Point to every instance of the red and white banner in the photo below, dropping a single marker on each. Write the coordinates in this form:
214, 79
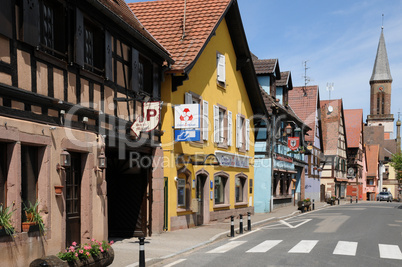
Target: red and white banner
293, 142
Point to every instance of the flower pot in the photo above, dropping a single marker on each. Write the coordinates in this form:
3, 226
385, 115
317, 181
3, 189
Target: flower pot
27, 225
58, 189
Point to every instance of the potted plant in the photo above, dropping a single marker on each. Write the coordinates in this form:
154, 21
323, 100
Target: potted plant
5, 220
33, 217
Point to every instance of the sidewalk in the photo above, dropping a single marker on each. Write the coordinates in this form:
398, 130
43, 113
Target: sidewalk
169, 244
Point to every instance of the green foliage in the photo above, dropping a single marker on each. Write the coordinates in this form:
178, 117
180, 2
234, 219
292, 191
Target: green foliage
396, 163
83, 252
33, 215
5, 219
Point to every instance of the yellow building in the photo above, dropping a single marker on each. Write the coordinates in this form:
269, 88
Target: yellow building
209, 179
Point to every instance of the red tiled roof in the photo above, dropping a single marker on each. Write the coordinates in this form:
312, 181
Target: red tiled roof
303, 101
372, 153
354, 126
121, 9
330, 124
164, 19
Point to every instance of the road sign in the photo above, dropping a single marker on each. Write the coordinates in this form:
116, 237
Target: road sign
187, 135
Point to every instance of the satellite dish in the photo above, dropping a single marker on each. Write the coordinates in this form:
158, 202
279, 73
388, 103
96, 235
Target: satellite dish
330, 109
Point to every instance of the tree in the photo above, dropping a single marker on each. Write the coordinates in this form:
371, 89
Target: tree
396, 163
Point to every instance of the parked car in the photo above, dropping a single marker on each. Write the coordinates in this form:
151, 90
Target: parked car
384, 196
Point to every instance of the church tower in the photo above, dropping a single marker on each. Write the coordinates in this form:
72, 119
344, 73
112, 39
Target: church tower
380, 94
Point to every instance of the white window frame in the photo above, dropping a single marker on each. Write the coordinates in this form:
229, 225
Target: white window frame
222, 126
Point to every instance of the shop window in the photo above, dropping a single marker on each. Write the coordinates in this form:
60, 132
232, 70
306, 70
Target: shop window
181, 192
241, 188
193, 98
221, 69
3, 173
183, 189
221, 188
222, 126
53, 28
29, 176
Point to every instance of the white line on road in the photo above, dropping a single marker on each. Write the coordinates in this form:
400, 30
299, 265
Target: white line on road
227, 247
304, 246
294, 226
174, 263
390, 252
239, 236
346, 248
264, 246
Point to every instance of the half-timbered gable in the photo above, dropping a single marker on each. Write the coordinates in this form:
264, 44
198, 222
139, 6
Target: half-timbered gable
74, 76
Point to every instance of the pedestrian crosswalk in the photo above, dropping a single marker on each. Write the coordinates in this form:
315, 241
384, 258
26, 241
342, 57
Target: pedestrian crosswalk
345, 248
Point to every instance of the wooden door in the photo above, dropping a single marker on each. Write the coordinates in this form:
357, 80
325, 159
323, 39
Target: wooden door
73, 200
322, 192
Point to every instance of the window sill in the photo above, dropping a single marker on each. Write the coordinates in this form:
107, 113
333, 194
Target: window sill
238, 204
51, 59
183, 210
88, 74
219, 206
220, 145
221, 85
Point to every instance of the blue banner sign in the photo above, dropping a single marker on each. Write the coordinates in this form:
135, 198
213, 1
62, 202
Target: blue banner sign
187, 135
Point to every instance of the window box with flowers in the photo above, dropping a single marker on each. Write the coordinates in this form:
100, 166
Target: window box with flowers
95, 253
304, 205
34, 221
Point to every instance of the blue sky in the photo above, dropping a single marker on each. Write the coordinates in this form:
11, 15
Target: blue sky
338, 39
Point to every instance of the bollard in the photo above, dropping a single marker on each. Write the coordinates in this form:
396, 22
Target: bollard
350, 199
313, 205
232, 226
302, 207
356, 199
339, 199
332, 202
241, 224
142, 252
248, 221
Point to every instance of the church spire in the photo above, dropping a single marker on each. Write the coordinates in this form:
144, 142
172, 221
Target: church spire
381, 71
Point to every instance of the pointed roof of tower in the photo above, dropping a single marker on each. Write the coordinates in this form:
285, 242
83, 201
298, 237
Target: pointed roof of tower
381, 71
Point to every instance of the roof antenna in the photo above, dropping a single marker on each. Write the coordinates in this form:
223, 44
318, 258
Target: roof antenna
306, 78
330, 88
184, 21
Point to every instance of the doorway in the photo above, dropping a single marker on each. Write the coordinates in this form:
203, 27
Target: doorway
127, 188
73, 200
202, 196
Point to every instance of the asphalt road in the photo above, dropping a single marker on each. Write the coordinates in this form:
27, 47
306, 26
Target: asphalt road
364, 234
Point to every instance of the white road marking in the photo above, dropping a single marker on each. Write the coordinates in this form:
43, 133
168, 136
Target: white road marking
227, 247
346, 248
174, 263
294, 226
239, 236
390, 252
264, 246
304, 246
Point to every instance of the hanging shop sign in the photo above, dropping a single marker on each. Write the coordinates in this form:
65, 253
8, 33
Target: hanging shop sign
187, 116
293, 142
148, 120
187, 135
232, 160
